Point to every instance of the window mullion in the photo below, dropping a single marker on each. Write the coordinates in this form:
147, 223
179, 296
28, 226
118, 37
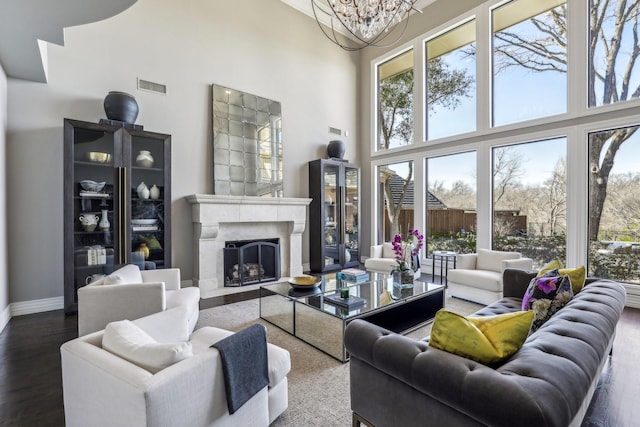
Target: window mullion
483, 70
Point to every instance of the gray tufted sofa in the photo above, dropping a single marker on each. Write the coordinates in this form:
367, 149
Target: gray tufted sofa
398, 381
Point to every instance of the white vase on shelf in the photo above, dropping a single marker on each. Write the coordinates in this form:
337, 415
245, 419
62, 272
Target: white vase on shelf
154, 192
104, 222
142, 190
144, 159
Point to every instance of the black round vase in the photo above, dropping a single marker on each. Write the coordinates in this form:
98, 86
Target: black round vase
335, 149
121, 106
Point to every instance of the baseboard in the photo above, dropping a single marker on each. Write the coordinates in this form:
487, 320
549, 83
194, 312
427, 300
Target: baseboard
5, 316
37, 306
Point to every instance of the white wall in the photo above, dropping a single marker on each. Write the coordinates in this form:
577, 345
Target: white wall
261, 47
4, 274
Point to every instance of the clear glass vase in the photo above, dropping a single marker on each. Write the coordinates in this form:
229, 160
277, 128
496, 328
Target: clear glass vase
403, 278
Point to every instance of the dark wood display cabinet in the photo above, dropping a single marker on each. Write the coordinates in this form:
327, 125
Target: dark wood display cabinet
334, 187
117, 202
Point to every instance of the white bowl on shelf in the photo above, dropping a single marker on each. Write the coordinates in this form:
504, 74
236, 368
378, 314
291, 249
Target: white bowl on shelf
89, 185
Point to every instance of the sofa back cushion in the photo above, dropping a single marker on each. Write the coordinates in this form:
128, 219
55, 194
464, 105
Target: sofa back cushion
126, 275
492, 260
387, 250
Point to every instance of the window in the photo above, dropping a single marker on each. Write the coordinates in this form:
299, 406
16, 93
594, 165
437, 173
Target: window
529, 199
613, 71
396, 198
451, 203
451, 77
529, 60
614, 204
395, 102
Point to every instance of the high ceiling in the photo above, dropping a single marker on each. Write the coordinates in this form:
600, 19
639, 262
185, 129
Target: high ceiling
24, 22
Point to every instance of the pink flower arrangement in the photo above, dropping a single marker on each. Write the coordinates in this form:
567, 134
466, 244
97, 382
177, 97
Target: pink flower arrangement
406, 249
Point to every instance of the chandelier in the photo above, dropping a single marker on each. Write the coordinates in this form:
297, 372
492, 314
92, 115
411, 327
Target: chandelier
366, 22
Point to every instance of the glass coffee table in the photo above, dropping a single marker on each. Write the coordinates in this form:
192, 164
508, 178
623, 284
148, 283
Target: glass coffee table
313, 316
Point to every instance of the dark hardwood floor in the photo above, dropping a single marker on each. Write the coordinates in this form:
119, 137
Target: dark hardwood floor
31, 381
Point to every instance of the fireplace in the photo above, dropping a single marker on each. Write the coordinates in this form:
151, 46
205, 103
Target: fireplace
218, 219
248, 262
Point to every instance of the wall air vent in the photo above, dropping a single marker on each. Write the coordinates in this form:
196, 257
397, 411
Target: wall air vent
152, 87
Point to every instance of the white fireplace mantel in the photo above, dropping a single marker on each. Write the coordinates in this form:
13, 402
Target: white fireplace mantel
218, 219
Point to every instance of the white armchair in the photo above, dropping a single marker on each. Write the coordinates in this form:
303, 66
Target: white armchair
129, 293
101, 388
478, 277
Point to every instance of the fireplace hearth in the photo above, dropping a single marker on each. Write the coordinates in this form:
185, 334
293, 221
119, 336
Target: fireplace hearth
247, 262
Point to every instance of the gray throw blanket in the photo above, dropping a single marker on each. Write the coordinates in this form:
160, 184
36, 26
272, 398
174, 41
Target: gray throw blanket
244, 364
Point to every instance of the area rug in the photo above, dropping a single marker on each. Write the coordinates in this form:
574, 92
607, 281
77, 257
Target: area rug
318, 383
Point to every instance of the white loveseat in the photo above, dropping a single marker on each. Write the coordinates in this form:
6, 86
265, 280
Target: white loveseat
382, 259
103, 389
478, 277
131, 293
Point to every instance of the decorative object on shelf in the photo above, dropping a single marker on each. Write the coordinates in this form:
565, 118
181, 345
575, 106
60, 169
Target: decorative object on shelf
144, 159
89, 185
89, 222
144, 250
104, 222
347, 255
356, 24
336, 149
154, 192
121, 106
97, 157
142, 190
405, 252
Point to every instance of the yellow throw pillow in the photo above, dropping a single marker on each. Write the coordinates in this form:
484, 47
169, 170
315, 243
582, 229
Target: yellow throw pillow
551, 265
487, 340
576, 275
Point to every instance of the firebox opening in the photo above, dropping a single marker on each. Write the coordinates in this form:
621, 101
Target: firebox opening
251, 261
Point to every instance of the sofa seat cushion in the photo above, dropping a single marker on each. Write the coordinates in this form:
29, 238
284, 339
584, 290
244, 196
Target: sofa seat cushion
279, 360
482, 279
380, 264
492, 260
502, 306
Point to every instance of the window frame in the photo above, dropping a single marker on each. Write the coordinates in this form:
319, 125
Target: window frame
575, 125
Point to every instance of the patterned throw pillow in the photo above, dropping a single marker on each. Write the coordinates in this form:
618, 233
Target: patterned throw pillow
576, 275
545, 296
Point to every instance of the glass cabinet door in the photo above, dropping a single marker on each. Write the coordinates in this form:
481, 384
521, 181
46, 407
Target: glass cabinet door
148, 192
92, 200
351, 219
331, 214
